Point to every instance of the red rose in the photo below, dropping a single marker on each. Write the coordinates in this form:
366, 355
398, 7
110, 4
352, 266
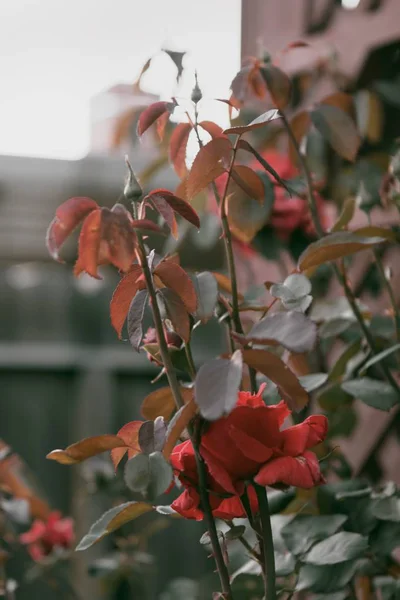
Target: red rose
249, 444
290, 213
44, 536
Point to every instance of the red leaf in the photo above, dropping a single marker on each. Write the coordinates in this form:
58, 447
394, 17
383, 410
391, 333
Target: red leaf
262, 120
123, 296
162, 206
68, 216
210, 162
177, 147
176, 312
279, 85
150, 116
129, 434
86, 448
180, 206
298, 44
118, 233
212, 128
146, 225
175, 278
89, 245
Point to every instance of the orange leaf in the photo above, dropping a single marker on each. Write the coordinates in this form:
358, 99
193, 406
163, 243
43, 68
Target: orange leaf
129, 433
161, 403
212, 128
89, 244
86, 448
275, 369
210, 163
177, 426
260, 121
374, 231
249, 181
123, 296
333, 246
68, 216
341, 100
150, 116
175, 278
177, 147
161, 124
225, 283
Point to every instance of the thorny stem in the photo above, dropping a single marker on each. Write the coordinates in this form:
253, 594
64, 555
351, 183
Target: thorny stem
268, 543
175, 388
341, 278
228, 245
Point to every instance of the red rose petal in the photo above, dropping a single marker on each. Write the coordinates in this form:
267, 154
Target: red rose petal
302, 471
305, 435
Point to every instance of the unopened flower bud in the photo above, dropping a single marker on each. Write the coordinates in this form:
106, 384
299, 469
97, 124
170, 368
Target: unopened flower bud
132, 189
196, 92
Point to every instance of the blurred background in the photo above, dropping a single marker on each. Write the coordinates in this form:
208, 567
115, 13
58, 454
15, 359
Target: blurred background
68, 106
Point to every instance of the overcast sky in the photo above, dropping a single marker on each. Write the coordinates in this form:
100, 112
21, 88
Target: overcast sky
56, 54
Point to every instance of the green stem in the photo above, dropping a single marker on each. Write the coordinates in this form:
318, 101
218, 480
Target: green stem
342, 280
189, 358
268, 543
175, 388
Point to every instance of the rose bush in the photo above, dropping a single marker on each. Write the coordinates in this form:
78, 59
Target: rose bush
248, 444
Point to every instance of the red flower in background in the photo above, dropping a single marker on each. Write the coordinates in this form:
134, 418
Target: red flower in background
45, 536
249, 444
291, 213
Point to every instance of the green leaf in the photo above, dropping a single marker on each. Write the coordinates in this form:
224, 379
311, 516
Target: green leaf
334, 246
338, 129
217, 385
334, 327
206, 288
337, 548
333, 397
346, 214
148, 475
111, 520
377, 394
340, 366
314, 381
278, 501
332, 596
292, 330
284, 564
387, 509
135, 318
385, 538
378, 357
305, 530
327, 578
235, 532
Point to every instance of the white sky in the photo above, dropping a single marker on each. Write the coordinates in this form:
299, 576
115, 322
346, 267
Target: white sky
56, 54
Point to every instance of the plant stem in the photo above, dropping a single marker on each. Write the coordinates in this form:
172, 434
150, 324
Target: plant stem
189, 358
268, 543
341, 278
230, 259
175, 388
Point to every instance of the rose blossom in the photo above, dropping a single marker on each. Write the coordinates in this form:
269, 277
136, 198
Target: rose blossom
44, 536
248, 444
